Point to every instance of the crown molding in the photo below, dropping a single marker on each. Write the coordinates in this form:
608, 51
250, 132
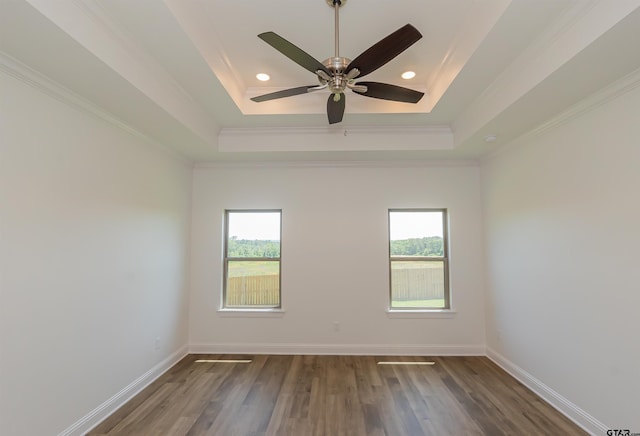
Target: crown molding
88, 23
25, 74
372, 138
192, 19
578, 28
462, 49
432, 163
600, 98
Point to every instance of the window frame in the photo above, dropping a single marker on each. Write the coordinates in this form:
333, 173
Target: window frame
444, 259
227, 259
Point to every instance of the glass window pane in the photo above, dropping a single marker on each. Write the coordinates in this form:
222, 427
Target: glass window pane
417, 284
253, 283
253, 234
416, 233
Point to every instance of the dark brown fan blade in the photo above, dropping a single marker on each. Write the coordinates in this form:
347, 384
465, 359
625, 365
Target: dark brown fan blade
383, 51
294, 53
335, 109
386, 91
284, 93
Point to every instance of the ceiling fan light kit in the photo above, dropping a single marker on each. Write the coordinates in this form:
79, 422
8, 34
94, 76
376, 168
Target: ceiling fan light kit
339, 73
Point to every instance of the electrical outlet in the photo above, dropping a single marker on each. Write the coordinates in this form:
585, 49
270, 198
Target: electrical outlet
156, 344
336, 326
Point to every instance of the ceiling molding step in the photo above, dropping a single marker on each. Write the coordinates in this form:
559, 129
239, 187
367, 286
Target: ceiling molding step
335, 139
23, 73
192, 19
462, 49
443, 163
627, 84
93, 29
578, 28
199, 23
611, 92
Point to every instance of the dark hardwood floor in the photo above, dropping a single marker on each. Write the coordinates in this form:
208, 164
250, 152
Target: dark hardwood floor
336, 395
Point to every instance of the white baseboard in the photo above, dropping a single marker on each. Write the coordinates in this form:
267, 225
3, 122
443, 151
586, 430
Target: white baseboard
340, 349
557, 401
100, 413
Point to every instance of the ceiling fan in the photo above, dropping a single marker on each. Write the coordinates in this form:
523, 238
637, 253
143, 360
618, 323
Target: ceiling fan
339, 73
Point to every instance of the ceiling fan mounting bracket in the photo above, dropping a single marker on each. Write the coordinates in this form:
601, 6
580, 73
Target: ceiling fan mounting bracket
333, 3
336, 64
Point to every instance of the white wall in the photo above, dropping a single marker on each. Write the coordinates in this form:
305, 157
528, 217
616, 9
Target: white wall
94, 249
334, 258
562, 220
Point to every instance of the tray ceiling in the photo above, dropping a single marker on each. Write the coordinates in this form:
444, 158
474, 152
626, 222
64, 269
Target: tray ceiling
181, 72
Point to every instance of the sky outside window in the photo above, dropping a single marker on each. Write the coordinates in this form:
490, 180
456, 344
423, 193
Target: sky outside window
415, 224
255, 225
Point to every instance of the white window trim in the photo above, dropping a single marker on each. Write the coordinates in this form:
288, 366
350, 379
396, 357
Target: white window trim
251, 313
421, 313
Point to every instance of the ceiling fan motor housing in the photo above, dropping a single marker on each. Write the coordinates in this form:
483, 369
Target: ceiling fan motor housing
337, 82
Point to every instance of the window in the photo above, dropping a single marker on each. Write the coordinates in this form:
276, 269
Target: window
418, 264
252, 259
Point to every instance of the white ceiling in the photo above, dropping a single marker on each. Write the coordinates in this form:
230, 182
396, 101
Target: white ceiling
181, 72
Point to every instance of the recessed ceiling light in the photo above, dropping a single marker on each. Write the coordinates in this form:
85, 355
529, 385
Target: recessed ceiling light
490, 138
262, 77
408, 75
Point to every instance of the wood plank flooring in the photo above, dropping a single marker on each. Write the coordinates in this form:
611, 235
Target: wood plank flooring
336, 395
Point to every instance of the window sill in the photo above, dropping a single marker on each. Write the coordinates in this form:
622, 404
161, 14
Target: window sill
421, 313
251, 313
